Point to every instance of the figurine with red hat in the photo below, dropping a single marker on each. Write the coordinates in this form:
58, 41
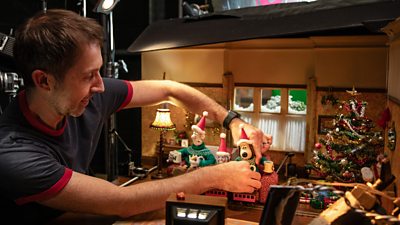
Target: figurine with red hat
246, 150
196, 155
223, 155
266, 167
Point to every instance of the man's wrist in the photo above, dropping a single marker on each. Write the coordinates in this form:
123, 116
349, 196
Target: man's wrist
228, 119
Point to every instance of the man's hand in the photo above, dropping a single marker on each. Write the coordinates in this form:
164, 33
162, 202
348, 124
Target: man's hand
235, 176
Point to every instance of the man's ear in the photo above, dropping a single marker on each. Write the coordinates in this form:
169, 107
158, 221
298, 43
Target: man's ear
41, 79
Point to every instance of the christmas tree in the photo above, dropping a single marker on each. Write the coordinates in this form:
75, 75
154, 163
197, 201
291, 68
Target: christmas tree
349, 151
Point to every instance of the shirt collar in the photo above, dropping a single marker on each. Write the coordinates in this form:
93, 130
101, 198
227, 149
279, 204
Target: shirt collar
35, 121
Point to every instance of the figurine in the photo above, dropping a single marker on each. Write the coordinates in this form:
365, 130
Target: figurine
246, 151
266, 169
223, 155
196, 155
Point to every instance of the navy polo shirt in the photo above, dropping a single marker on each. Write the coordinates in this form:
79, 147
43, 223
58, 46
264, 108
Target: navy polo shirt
36, 162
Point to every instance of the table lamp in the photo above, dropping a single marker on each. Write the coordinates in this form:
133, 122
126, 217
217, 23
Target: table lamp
163, 123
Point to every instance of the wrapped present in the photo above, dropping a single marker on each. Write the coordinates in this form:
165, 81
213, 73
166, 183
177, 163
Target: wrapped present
266, 181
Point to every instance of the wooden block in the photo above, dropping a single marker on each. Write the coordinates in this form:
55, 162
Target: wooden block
366, 199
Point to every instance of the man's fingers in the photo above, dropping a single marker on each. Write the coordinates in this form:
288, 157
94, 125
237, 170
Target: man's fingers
258, 157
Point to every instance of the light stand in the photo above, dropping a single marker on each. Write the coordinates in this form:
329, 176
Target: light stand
163, 123
44, 6
82, 4
110, 71
9, 84
128, 150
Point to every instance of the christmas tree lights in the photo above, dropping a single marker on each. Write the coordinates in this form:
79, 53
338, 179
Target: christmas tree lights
349, 151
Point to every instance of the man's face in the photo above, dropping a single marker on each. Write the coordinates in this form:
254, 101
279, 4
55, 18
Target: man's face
197, 138
83, 79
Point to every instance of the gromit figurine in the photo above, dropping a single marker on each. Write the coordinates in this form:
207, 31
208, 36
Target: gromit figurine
246, 151
196, 155
265, 167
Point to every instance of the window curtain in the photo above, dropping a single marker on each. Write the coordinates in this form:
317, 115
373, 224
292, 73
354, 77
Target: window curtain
295, 133
288, 132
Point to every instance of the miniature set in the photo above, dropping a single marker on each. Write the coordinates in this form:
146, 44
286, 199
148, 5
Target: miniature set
198, 155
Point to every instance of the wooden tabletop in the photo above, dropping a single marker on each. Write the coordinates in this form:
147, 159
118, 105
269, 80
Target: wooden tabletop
235, 214
239, 215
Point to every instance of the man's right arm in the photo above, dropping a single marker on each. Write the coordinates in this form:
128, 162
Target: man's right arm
86, 194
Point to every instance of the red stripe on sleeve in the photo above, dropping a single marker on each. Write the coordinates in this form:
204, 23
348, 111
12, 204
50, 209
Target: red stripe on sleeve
128, 96
57, 187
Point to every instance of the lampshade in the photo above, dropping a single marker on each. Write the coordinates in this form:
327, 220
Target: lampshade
163, 120
105, 6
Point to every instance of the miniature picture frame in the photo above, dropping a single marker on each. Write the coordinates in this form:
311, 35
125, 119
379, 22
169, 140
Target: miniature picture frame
171, 141
325, 123
184, 142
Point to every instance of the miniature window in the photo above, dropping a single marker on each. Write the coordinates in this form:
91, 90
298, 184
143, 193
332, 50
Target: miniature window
280, 112
244, 99
297, 100
271, 100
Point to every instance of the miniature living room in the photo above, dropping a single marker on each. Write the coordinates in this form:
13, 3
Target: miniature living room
327, 100
316, 120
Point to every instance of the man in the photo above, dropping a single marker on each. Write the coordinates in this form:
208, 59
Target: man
49, 133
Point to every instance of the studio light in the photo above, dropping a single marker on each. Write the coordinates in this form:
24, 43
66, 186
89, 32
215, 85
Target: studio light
105, 6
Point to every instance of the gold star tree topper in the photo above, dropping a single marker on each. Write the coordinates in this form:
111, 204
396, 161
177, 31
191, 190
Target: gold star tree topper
353, 92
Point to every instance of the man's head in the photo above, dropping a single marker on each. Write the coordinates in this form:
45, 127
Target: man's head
52, 42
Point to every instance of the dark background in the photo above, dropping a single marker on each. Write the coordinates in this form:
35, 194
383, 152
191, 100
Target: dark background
131, 17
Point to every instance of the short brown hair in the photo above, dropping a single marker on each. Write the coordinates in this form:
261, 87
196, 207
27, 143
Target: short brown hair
51, 41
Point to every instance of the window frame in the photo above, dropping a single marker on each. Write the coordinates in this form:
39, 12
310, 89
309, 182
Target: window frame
256, 115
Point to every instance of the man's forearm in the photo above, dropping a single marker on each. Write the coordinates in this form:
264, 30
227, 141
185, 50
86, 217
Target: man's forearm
177, 94
197, 102
154, 194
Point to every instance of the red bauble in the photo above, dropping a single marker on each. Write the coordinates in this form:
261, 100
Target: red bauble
318, 145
